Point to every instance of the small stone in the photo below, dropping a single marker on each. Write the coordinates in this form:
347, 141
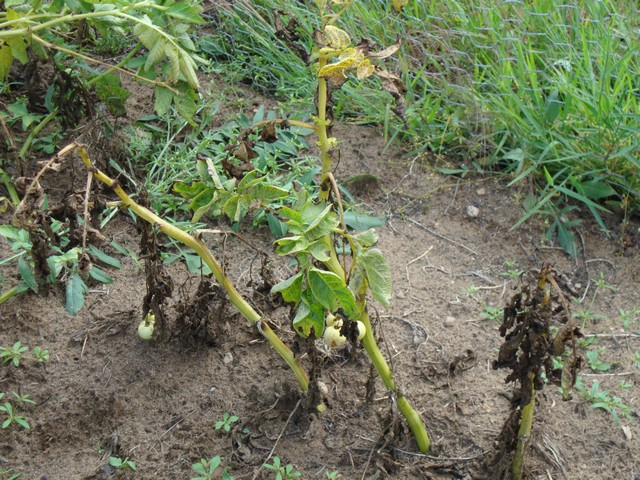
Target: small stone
227, 359
400, 294
481, 192
472, 211
449, 322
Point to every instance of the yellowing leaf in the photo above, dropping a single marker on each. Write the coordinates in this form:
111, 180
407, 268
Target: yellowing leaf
156, 54
6, 58
387, 52
335, 37
365, 69
399, 4
337, 69
18, 49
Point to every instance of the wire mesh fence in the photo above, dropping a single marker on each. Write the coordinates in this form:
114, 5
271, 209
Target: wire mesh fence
536, 87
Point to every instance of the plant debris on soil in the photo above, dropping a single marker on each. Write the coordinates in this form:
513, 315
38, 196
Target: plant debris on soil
104, 392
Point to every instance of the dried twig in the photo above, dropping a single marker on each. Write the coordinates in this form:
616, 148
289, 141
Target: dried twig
439, 235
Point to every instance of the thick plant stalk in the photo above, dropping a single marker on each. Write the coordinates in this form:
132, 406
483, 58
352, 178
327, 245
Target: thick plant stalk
524, 433
414, 420
201, 249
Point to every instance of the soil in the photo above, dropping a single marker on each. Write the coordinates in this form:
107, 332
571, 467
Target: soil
105, 392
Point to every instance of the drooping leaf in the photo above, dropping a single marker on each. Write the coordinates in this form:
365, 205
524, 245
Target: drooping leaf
323, 222
367, 238
103, 257
330, 291
278, 228
360, 221
290, 289
74, 293
309, 315
27, 274
164, 98
320, 250
100, 275
6, 59
378, 274
185, 12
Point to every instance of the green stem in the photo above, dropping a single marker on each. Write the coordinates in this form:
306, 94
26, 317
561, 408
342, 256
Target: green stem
117, 66
26, 31
6, 180
203, 252
321, 129
36, 131
524, 433
9, 294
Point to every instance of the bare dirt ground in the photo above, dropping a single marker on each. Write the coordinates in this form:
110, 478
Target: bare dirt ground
105, 392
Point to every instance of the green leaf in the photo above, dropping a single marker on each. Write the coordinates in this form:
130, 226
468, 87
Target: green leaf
566, 239
320, 250
268, 193
278, 228
100, 275
290, 289
186, 105
552, 106
74, 292
164, 98
103, 257
366, 239
27, 275
195, 264
378, 275
331, 291
309, 315
359, 221
322, 224
9, 232
18, 49
185, 12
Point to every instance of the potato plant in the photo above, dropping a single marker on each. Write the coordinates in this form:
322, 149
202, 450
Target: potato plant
337, 268
45, 28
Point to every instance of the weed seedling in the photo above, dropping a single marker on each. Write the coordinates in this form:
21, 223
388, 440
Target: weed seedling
12, 354
512, 272
492, 313
10, 411
41, 354
126, 464
283, 472
9, 475
206, 469
227, 422
603, 400
595, 363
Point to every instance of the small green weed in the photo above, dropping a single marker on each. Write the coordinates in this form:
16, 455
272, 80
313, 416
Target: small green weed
9, 474
629, 317
595, 363
604, 400
492, 313
12, 415
512, 272
283, 472
40, 354
13, 354
206, 469
126, 464
227, 422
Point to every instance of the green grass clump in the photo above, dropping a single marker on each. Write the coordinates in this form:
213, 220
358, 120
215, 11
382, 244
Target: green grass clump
548, 92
